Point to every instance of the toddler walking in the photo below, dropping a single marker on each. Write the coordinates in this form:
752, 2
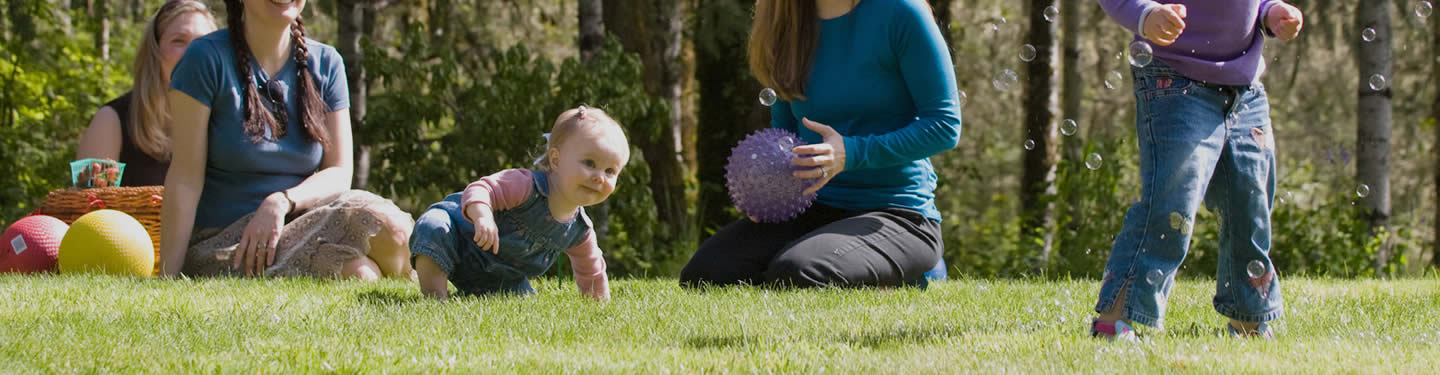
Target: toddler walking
1203, 127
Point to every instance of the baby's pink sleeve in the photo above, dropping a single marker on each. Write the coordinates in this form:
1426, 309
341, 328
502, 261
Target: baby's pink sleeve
501, 191
589, 268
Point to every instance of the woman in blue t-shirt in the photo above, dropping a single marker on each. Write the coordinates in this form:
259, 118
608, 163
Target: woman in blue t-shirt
259, 183
872, 84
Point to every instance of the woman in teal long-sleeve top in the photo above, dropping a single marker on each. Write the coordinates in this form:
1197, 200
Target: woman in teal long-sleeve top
870, 86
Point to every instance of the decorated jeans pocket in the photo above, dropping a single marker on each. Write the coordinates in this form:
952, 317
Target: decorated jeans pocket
1159, 86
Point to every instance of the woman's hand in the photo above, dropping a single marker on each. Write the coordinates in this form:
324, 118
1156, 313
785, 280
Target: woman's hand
257, 244
486, 235
828, 156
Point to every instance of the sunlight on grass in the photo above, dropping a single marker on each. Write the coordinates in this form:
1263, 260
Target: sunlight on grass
100, 324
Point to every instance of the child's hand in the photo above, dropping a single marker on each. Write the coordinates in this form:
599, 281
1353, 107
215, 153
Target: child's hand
1163, 25
486, 235
597, 288
1285, 21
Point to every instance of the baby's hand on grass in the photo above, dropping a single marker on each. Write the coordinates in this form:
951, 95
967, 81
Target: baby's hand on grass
596, 288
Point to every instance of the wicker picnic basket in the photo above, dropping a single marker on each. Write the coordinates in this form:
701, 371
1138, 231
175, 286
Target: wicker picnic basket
141, 202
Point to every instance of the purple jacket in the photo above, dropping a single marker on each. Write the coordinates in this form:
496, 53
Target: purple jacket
1222, 41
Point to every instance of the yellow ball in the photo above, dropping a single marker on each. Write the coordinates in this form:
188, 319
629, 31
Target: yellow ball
107, 241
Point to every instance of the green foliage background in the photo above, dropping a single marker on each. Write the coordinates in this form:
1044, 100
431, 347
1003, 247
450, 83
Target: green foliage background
50, 86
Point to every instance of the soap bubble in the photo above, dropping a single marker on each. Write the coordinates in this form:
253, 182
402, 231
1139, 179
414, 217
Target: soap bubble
767, 97
1141, 54
1069, 127
1005, 80
1114, 80
1255, 269
1378, 82
1155, 277
1093, 161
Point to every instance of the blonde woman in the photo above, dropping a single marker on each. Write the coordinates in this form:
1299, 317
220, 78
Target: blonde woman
132, 128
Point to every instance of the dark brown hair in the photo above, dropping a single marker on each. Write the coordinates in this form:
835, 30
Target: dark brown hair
309, 104
783, 38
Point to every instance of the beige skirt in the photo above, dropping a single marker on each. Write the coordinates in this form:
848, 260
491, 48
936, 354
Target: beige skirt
314, 244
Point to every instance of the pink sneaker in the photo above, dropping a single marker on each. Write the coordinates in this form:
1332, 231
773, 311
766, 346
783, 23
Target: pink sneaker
1118, 331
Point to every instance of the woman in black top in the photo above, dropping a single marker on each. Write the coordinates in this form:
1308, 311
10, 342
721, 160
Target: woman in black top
132, 129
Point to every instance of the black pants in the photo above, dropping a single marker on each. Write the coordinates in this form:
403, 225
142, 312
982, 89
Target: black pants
825, 246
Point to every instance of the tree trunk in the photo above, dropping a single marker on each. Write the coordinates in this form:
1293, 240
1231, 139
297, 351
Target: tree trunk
1435, 116
6, 22
654, 30
1372, 161
1038, 180
1072, 82
592, 37
51, 11
350, 15
440, 21
137, 11
102, 29
592, 27
1072, 91
21, 21
728, 106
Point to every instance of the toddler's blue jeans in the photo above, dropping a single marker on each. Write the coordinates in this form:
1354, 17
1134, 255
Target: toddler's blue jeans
1199, 143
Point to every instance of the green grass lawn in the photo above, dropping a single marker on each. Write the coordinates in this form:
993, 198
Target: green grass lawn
113, 325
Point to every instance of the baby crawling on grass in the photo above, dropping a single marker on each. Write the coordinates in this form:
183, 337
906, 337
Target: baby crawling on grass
512, 225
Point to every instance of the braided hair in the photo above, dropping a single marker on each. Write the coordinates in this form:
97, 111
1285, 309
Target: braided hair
257, 119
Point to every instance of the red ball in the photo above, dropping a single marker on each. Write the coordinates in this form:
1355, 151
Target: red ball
32, 244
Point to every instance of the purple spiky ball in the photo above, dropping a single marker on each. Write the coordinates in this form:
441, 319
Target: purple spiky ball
759, 177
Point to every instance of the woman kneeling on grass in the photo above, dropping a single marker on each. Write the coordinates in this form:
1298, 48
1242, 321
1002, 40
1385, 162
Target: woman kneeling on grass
260, 180
872, 83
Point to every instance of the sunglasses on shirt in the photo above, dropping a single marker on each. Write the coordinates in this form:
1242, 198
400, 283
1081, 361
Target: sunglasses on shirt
274, 93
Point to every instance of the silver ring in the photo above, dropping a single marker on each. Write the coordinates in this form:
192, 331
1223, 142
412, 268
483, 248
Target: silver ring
824, 173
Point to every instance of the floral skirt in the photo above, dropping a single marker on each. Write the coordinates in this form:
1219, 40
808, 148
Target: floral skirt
316, 243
